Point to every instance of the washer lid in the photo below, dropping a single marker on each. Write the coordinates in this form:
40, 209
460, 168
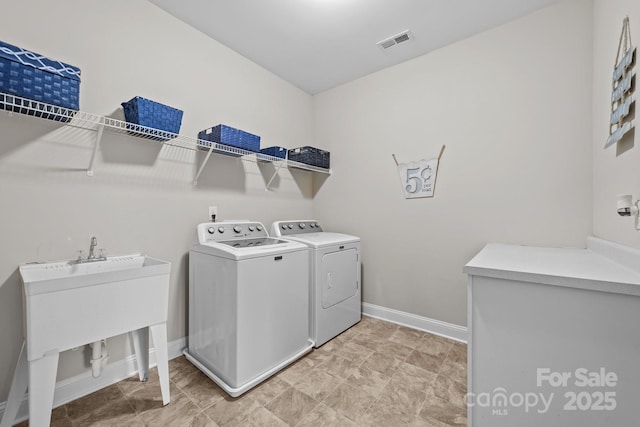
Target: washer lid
251, 243
245, 249
323, 239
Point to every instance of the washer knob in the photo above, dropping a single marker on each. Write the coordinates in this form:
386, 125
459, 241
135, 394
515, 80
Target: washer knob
301, 225
221, 229
211, 230
284, 226
237, 229
251, 228
259, 227
289, 226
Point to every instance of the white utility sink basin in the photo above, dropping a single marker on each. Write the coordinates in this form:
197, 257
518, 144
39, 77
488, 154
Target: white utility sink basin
56, 276
69, 304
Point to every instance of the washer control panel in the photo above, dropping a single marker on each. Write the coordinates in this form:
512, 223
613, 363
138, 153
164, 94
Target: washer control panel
230, 230
284, 228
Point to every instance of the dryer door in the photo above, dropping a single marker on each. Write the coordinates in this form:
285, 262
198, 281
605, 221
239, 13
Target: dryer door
339, 276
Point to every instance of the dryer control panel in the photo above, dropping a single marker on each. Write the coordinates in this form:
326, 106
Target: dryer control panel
284, 228
230, 230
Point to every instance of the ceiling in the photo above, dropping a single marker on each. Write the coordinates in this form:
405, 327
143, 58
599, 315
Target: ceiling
319, 44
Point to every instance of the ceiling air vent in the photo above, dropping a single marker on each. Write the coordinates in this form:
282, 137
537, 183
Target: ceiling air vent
394, 40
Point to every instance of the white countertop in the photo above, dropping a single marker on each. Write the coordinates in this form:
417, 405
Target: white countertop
603, 266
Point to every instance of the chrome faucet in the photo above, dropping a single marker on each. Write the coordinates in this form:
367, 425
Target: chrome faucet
92, 256
92, 246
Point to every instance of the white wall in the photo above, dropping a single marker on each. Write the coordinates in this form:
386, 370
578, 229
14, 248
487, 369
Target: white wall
141, 198
615, 170
513, 106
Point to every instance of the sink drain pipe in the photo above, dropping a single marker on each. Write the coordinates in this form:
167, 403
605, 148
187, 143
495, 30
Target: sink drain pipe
99, 357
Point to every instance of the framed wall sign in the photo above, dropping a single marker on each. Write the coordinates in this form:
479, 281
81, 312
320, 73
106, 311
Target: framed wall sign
418, 178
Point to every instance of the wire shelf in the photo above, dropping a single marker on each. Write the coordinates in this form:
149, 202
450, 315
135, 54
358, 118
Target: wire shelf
100, 124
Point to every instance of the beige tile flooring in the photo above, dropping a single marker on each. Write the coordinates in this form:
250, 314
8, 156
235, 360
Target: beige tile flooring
374, 374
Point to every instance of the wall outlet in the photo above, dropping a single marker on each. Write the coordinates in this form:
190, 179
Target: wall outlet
213, 213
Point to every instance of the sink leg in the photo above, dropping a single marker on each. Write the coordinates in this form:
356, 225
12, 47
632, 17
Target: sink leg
42, 384
18, 389
159, 335
140, 338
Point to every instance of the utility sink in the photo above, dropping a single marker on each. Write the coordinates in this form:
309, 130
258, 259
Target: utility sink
57, 276
69, 304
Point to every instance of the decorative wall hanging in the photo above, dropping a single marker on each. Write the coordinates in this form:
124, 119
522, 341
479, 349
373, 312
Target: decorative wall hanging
419, 178
622, 87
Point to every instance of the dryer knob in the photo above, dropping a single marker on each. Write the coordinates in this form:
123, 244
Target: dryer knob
251, 228
259, 227
221, 229
237, 229
289, 226
301, 225
211, 230
284, 226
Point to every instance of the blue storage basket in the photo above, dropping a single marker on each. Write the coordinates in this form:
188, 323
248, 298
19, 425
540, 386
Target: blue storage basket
223, 134
30, 75
145, 112
310, 156
276, 151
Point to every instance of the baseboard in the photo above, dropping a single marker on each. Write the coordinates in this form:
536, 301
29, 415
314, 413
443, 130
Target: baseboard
437, 327
84, 384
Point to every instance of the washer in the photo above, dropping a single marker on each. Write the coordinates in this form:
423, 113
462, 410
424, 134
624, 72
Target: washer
248, 304
334, 277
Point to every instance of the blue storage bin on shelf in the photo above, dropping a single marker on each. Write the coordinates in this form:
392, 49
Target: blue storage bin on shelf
310, 156
159, 117
33, 76
275, 151
226, 135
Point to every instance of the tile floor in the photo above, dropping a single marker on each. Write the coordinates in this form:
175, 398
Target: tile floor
374, 374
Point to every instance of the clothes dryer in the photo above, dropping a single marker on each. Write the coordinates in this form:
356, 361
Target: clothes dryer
248, 304
334, 277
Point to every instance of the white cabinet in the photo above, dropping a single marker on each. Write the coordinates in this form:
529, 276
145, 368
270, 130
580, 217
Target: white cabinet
554, 336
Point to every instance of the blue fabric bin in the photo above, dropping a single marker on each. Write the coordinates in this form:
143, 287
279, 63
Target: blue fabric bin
223, 134
310, 156
145, 112
275, 151
30, 75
